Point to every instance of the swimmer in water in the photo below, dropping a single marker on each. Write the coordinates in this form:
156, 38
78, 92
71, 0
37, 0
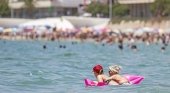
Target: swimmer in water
134, 47
44, 46
163, 49
115, 76
101, 78
121, 46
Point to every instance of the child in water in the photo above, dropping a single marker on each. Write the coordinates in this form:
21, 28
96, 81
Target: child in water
101, 78
115, 76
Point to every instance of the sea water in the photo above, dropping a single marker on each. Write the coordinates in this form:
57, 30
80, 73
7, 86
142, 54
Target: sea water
27, 67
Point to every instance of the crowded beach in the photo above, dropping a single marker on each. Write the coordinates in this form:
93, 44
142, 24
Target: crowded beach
61, 29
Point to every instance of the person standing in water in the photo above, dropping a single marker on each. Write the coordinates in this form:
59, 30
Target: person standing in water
101, 78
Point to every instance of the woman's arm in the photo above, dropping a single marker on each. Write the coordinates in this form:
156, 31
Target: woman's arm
109, 78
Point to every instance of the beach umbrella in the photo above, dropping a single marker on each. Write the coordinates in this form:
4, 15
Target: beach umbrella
143, 30
28, 29
14, 30
101, 28
167, 30
64, 25
148, 29
38, 22
161, 31
138, 32
115, 31
8, 30
128, 30
42, 29
48, 27
1, 29
59, 23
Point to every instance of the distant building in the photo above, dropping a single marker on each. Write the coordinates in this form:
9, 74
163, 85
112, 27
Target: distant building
138, 8
48, 8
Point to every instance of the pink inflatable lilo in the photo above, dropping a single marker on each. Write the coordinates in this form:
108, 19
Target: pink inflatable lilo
133, 79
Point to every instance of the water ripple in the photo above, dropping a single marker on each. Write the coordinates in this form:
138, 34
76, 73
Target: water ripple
25, 67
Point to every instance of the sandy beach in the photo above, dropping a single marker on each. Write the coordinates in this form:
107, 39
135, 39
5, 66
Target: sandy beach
98, 30
76, 21
90, 21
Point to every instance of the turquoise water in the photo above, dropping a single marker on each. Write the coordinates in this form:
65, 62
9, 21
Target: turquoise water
25, 67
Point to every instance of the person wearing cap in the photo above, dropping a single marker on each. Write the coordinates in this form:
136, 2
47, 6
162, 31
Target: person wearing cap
99, 74
114, 75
